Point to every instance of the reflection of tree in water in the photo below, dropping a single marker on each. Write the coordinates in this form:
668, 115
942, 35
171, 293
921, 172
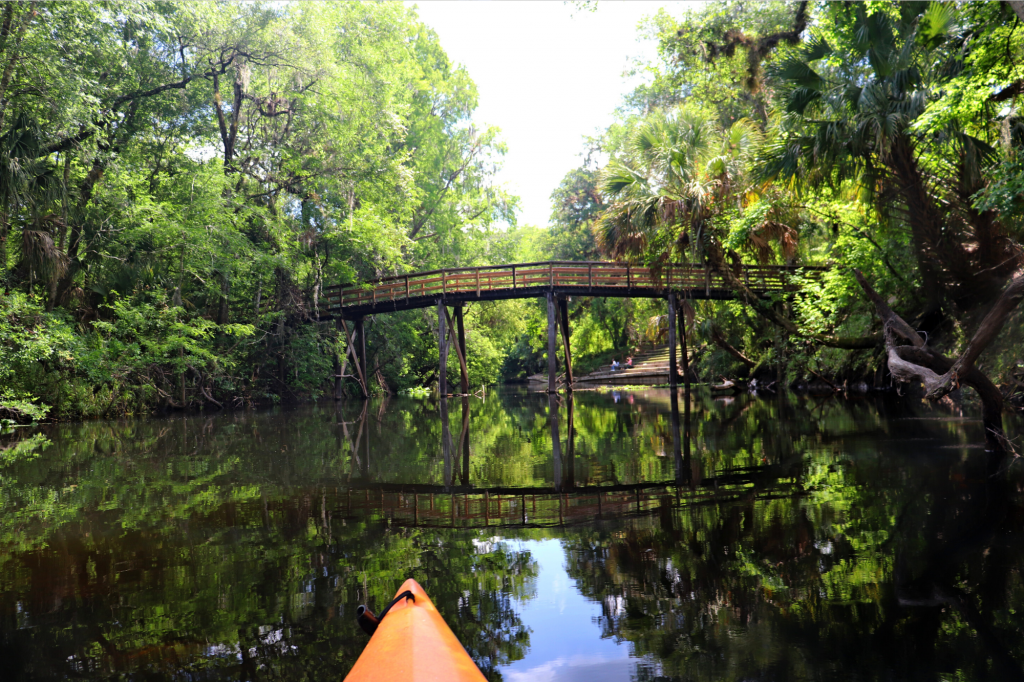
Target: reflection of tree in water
258, 600
218, 549
480, 590
222, 549
885, 565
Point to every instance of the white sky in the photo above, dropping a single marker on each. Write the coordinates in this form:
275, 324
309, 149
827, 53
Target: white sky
548, 73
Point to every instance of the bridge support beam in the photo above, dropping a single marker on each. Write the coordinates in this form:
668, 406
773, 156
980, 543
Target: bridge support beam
461, 340
552, 362
442, 347
673, 374
563, 318
685, 353
339, 366
360, 349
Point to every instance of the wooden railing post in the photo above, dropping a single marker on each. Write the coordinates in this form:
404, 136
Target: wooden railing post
629, 282
551, 274
513, 277
407, 286
478, 282
590, 276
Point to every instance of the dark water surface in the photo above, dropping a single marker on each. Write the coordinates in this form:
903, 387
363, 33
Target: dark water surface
758, 539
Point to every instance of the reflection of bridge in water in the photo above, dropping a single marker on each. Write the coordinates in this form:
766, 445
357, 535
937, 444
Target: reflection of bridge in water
459, 504
467, 507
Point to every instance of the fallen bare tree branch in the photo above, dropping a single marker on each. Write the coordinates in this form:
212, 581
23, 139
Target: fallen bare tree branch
986, 333
938, 373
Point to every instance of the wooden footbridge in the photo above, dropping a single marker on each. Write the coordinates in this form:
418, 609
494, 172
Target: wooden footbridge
555, 280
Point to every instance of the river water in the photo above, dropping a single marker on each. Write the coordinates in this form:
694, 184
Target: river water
598, 538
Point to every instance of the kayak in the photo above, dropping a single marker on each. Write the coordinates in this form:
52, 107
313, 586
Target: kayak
411, 641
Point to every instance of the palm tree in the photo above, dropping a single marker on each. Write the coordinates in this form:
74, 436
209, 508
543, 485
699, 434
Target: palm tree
677, 172
29, 188
850, 112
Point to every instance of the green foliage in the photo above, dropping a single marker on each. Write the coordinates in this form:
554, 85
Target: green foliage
121, 365
1005, 195
181, 211
23, 450
171, 219
879, 136
576, 205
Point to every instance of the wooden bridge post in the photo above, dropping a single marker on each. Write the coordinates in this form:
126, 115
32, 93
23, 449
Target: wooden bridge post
460, 327
552, 365
442, 347
339, 366
685, 352
672, 373
563, 315
360, 342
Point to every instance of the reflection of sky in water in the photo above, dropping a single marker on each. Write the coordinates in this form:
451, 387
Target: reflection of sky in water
565, 639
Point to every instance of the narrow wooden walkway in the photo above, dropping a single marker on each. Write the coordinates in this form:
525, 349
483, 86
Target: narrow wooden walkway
563, 278
554, 280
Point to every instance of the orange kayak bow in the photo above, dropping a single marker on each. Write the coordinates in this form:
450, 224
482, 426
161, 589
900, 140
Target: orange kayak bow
413, 643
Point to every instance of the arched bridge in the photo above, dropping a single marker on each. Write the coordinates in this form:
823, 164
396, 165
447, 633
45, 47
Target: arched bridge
554, 280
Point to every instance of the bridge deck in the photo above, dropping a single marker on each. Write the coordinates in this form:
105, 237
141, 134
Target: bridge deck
573, 278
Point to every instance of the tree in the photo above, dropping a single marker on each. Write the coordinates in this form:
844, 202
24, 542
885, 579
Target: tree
576, 205
676, 174
857, 97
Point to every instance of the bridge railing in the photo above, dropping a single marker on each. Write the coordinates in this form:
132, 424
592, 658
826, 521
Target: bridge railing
594, 275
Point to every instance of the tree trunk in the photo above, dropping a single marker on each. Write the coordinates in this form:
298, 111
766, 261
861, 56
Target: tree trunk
12, 56
3, 250
225, 290
719, 339
923, 216
938, 373
74, 243
228, 126
1018, 8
